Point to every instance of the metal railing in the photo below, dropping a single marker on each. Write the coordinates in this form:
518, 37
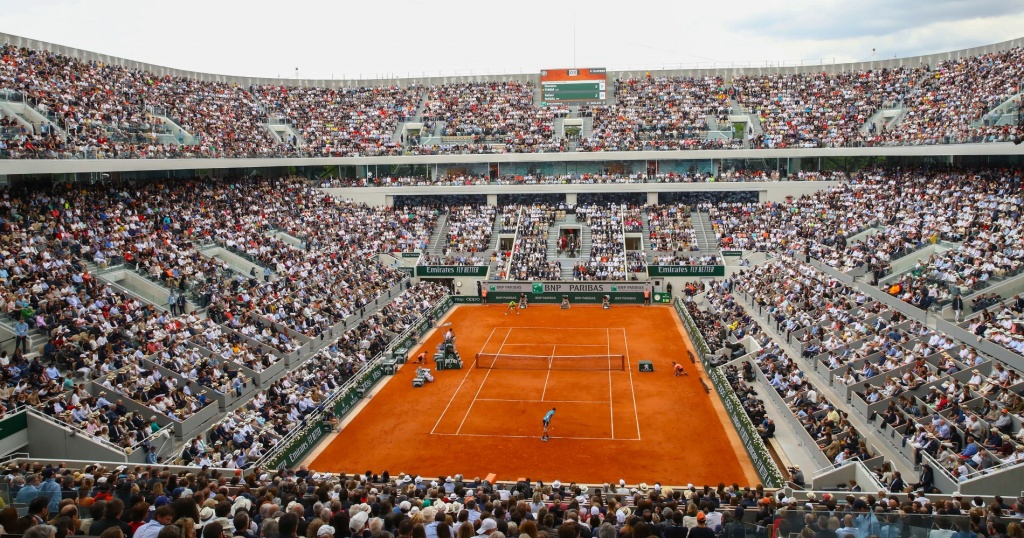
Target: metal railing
350, 384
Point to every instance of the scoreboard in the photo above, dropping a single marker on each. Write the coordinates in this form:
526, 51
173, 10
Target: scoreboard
578, 85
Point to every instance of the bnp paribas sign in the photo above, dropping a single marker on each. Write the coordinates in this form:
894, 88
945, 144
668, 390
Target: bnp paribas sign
589, 287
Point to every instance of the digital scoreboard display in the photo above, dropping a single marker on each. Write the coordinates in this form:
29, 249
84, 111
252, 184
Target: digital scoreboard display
580, 85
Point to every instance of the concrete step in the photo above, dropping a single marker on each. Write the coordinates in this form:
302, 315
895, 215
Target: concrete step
438, 237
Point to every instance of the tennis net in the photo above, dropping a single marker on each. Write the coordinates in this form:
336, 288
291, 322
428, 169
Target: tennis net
591, 363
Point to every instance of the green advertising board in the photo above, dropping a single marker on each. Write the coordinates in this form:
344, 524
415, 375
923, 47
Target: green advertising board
301, 445
686, 270
410, 254
763, 463
567, 287
574, 297
448, 271
694, 333
13, 424
732, 252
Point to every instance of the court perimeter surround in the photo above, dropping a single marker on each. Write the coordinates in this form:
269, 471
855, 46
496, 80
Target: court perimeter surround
610, 423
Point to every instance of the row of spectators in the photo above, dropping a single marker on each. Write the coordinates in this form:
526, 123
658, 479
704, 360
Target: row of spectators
528, 259
249, 431
469, 228
92, 331
342, 122
607, 260
661, 113
726, 323
939, 396
103, 110
149, 501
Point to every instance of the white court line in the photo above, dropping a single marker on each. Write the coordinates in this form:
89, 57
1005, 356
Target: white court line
464, 378
531, 437
629, 368
482, 382
563, 345
547, 377
611, 406
539, 401
549, 328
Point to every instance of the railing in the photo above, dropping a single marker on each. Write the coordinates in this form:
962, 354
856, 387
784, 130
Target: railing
695, 335
515, 240
367, 376
76, 431
622, 237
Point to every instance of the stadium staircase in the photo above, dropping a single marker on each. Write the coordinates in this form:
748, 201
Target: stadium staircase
6, 112
1003, 114
742, 114
290, 239
281, 130
135, 283
437, 241
705, 232
557, 127
712, 122
881, 119
563, 258
645, 241
178, 135
495, 232
36, 338
588, 127
29, 116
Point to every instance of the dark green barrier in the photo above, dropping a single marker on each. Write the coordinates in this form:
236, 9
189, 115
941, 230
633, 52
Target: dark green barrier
686, 270
574, 297
695, 336
13, 424
466, 299
410, 254
301, 446
451, 270
732, 253
752, 442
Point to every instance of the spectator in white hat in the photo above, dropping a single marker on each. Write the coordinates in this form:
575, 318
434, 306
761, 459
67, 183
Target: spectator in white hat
487, 527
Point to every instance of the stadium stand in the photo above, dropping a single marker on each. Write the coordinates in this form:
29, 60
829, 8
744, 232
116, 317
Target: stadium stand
271, 299
86, 109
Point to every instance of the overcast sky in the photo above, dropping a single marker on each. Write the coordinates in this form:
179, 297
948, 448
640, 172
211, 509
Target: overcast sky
349, 39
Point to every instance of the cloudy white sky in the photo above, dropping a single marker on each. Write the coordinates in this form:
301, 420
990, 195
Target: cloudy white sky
347, 39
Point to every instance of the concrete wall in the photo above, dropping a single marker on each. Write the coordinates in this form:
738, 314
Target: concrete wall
48, 439
829, 479
142, 288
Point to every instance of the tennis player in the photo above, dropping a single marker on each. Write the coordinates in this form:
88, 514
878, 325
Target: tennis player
512, 307
547, 423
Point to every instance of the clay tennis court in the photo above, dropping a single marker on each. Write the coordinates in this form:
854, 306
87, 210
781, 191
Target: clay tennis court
611, 421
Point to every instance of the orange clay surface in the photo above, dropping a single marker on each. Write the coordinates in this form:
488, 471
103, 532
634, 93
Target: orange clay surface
609, 424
